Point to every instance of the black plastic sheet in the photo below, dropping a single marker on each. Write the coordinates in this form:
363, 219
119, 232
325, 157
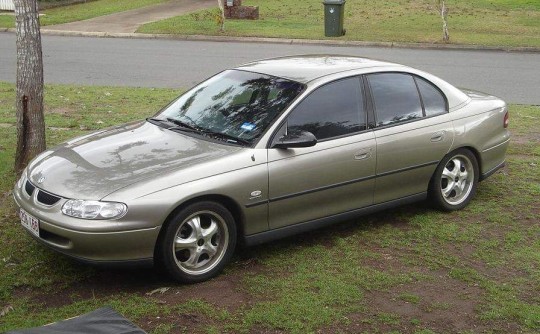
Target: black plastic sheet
101, 321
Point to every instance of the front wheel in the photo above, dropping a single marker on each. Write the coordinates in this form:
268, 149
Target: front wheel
454, 183
197, 242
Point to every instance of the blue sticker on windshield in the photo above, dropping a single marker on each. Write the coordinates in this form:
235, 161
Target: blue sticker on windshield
248, 126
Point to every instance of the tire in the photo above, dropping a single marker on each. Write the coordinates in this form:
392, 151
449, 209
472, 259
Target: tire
197, 243
454, 182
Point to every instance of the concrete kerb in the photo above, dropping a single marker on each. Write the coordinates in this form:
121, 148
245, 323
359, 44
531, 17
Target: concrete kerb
285, 41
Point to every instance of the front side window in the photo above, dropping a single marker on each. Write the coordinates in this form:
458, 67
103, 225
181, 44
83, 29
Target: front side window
395, 97
233, 104
333, 110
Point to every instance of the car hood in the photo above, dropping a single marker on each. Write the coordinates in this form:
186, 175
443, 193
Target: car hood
93, 166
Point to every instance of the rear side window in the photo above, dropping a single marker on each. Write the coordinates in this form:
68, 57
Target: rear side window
333, 110
433, 99
396, 98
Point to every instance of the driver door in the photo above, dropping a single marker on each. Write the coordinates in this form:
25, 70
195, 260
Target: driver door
335, 175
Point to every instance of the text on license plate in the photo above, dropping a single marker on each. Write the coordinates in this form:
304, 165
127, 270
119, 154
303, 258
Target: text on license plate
30, 222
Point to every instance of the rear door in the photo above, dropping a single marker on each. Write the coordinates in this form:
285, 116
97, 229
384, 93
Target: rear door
413, 131
336, 174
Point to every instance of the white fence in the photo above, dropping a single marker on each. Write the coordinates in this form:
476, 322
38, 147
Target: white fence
7, 5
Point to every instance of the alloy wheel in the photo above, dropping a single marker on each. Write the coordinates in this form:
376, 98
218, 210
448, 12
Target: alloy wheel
200, 242
457, 180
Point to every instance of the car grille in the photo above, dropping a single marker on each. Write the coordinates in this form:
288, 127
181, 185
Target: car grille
43, 197
46, 198
29, 187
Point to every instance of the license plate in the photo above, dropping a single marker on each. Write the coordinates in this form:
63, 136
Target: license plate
30, 222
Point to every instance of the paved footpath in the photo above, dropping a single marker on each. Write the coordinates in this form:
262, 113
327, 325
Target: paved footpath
129, 21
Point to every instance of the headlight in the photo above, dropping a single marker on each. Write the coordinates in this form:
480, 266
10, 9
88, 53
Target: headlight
93, 209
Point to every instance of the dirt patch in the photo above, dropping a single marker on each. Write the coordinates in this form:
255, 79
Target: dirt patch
389, 259
224, 292
525, 139
104, 283
520, 137
443, 305
517, 157
178, 323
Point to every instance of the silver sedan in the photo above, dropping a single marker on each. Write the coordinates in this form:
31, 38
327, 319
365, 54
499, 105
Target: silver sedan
259, 152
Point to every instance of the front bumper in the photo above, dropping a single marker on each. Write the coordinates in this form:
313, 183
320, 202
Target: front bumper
94, 241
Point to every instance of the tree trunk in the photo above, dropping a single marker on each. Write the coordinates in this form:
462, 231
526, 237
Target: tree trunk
444, 16
221, 20
29, 102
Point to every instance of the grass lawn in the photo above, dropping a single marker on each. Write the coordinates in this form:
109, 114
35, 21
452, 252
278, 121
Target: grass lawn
486, 22
81, 11
410, 270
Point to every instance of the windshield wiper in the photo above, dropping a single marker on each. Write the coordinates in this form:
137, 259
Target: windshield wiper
155, 120
225, 136
181, 124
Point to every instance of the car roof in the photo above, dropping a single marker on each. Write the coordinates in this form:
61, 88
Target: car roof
305, 68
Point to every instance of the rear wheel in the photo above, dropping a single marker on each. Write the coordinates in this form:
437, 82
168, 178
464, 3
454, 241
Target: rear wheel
198, 242
455, 180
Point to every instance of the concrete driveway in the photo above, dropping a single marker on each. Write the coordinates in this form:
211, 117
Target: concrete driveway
129, 21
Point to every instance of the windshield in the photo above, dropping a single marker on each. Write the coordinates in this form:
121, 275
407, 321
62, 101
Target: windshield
232, 104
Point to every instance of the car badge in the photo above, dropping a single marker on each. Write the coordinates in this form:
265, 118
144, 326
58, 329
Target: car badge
256, 193
41, 179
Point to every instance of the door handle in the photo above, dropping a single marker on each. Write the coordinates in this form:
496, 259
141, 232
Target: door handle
437, 136
362, 155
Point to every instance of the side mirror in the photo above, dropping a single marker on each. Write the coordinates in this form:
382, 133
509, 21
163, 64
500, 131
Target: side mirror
296, 139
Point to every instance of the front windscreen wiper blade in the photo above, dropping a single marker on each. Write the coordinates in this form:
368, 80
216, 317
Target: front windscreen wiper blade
228, 138
185, 127
181, 124
178, 125
171, 120
154, 120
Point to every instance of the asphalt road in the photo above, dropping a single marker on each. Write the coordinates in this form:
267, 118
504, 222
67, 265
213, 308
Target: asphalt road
168, 63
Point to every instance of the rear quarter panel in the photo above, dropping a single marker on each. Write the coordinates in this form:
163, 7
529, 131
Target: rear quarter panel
479, 125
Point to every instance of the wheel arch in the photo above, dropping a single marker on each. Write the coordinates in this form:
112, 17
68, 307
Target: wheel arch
230, 204
476, 154
473, 150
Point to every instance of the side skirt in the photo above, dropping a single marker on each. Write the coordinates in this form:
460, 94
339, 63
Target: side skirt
283, 232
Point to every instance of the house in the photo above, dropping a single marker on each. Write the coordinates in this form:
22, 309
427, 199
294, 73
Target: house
7, 5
